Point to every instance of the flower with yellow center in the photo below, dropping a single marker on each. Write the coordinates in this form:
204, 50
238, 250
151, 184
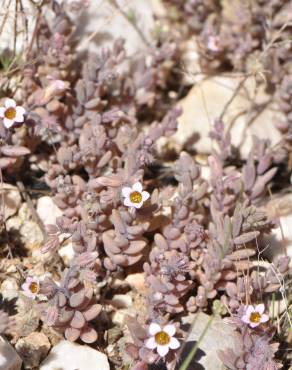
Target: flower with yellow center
31, 287
254, 316
162, 339
135, 196
11, 113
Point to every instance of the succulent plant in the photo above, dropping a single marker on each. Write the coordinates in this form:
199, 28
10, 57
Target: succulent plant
72, 308
253, 348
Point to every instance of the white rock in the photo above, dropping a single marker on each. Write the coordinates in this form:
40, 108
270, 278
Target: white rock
29, 230
206, 101
191, 68
136, 281
8, 32
67, 253
9, 289
9, 359
33, 349
219, 336
12, 199
101, 23
70, 356
97, 26
280, 241
47, 210
122, 300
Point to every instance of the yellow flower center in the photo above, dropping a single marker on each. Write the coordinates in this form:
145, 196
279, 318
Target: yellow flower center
255, 317
34, 287
136, 197
162, 338
10, 113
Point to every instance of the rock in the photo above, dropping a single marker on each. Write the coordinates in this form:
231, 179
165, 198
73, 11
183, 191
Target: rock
33, 349
219, 336
9, 289
47, 210
102, 23
9, 359
27, 317
23, 224
205, 102
159, 9
192, 72
8, 31
122, 300
118, 317
67, 253
136, 281
70, 356
280, 241
12, 199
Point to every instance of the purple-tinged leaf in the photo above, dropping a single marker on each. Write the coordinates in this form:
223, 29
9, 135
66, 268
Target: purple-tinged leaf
247, 237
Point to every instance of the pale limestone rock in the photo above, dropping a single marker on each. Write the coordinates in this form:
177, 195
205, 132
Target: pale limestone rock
70, 356
33, 349
101, 23
47, 210
280, 241
67, 253
122, 300
136, 281
191, 68
219, 336
206, 101
97, 26
28, 229
9, 359
9, 289
12, 199
7, 19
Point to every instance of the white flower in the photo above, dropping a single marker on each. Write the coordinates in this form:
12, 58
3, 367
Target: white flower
31, 287
11, 113
254, 316
162, 339
135, 196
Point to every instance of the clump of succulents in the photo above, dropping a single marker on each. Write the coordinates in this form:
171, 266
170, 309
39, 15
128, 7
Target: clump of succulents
254, 348
99, 122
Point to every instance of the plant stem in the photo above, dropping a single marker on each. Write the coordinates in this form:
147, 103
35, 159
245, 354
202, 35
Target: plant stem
192, 353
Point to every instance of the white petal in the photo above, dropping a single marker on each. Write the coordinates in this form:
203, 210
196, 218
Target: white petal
154, 328
145, 195
260, 308
20, 110
28, 293
35, 279
8, 122
128, 203
174, 343
126, 191
245, 319
138, 187
162, 350
10, 103
169, 329
138, 205
25, 286
29, 279
254, 324
265, 318
250, 309
150, 343
19, 118
2, 111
